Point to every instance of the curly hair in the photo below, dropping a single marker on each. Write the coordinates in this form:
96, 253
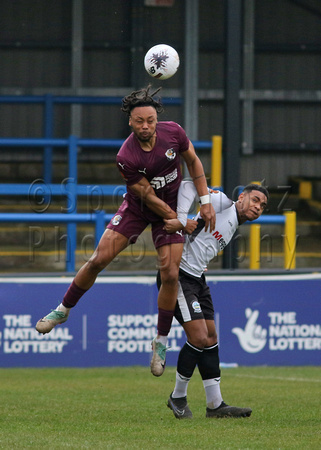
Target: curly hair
257, 187
143, 97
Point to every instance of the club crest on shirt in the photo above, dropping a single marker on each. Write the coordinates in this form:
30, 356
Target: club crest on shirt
170, 154
116, 219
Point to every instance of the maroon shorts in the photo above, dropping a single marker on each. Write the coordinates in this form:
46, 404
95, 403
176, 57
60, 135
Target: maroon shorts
130, 221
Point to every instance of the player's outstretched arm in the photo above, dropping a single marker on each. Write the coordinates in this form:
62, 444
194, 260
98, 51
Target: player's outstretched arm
196, 171
187, 194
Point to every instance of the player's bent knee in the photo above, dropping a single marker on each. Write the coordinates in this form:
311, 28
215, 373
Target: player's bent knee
97, 264
169, 276
212, 339
199, 341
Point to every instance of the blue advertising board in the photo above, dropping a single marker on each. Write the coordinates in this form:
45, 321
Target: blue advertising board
269, 320
261, 320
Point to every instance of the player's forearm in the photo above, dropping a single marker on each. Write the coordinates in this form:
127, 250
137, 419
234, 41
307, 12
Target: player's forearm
186, 196
159, 207
146, 193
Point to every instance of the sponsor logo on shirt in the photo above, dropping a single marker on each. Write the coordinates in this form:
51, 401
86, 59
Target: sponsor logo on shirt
170, 154
221, 241
160, 182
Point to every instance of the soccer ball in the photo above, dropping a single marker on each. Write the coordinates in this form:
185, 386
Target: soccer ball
161, 61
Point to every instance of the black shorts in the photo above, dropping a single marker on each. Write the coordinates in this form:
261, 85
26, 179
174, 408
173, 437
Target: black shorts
194, 299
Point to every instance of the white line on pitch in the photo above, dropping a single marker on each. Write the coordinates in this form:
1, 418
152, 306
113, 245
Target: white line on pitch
262, 377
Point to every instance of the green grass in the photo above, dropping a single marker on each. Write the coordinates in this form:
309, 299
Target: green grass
125, 408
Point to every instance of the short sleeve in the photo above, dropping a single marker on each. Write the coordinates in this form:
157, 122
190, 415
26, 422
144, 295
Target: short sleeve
128, 171
183, 139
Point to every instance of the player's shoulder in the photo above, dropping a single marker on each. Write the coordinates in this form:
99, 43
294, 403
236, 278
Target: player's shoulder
169, 126
218, 195
217, 192
220, 200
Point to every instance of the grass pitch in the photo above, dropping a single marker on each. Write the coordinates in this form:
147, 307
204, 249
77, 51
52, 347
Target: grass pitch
125, 408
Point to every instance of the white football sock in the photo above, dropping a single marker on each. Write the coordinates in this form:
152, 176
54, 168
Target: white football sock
162, 339
213, 392
181, 386
63, 309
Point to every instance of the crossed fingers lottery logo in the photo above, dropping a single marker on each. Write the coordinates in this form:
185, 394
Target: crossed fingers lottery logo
283, 333
253, 338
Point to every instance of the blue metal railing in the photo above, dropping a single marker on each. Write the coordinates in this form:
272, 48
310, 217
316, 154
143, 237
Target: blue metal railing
68, 188
71, 190
49, 101
268, 220
72, 143
98, 218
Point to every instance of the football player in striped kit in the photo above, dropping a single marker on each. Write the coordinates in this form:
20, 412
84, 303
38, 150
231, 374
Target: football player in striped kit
194, 308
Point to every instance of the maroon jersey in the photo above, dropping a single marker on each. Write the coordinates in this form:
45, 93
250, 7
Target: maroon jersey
160, 166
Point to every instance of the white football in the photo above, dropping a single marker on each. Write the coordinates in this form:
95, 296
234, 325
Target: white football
161, 61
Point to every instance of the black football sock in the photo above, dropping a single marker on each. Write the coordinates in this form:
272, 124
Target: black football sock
187, 361
209, 363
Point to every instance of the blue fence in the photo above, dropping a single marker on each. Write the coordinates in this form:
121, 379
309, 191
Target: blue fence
72, 144
70, 188
49, 101
98, 218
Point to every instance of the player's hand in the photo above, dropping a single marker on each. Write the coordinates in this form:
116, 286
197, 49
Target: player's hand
208, 215
190, 226
172, 225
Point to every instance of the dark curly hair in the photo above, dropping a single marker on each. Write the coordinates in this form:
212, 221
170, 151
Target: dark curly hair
143, 97
257, 187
